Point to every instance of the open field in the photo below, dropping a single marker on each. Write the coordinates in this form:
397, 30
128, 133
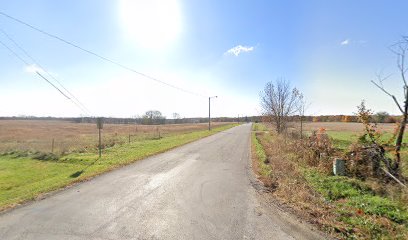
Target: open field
25, 175
346, 207
34, 135
344, 133
345, 126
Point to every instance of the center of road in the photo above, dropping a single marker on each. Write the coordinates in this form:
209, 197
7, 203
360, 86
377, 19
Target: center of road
202, 190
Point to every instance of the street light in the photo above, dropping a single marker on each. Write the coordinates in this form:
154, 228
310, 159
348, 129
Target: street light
209, 112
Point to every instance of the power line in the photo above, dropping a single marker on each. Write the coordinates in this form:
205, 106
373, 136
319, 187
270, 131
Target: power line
98, 55
38, 73
82, 106
14, 53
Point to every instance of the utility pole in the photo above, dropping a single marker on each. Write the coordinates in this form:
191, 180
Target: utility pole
99, 124
209, 112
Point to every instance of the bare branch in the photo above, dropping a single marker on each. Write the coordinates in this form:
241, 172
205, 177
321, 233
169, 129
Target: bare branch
393, 177
389, 94
279, 101
401, 65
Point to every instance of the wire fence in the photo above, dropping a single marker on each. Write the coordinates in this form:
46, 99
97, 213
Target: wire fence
62, 137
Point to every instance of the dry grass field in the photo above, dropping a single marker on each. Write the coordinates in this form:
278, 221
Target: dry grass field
35, 135
24, 175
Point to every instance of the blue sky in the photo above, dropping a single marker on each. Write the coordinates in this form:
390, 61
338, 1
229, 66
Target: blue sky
330, 50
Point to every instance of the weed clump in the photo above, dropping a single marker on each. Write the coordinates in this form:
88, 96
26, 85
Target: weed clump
45, 156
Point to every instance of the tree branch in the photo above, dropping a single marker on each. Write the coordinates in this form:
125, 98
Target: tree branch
389, 94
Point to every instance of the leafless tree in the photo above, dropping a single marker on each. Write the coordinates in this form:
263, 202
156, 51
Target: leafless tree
278, 102
302, 106
400, 49
176, 117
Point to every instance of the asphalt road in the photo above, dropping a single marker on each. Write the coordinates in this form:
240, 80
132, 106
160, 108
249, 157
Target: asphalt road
203, 190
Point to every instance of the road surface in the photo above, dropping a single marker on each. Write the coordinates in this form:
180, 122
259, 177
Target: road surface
203, 190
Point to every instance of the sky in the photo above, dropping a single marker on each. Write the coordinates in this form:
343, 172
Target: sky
329, 50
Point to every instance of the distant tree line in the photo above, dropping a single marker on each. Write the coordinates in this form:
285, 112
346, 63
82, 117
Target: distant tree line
151, 117
380, 117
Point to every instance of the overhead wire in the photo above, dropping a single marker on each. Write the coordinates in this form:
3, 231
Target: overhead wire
82, 106
38, 73
99, 56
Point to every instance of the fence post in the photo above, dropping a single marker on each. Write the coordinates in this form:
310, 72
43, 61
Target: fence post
129, 137
52, 146
100, 144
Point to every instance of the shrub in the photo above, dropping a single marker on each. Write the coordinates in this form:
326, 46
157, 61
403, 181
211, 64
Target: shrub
390, 119
320, 144
45, 156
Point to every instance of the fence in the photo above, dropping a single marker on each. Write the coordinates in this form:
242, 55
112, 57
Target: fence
65, 137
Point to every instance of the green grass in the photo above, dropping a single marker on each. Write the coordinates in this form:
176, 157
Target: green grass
23, 178
259, 127
350, 196
335, 187
342, 140
264, 169
360, 212
347, 193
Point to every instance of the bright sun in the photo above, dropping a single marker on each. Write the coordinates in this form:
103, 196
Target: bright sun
151, 23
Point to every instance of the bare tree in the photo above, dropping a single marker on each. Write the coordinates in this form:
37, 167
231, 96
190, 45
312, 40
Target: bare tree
400, 49
176, 117
302, 109
278, 102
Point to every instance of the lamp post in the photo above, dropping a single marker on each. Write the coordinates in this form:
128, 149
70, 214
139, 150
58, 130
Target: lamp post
209, 112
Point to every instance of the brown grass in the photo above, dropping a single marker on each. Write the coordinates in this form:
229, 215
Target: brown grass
290, 188
288, 185
36, 135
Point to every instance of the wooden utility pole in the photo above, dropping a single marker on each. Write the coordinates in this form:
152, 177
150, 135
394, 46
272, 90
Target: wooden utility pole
99, 124
209, 112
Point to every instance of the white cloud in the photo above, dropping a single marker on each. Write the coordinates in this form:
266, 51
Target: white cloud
33, 69
238, 49
345, 42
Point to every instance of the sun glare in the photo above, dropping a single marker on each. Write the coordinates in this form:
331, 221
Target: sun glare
151, 23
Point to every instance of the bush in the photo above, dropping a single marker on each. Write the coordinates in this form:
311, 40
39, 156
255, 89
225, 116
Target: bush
364, 160
319, 149
390, 119
45, 156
